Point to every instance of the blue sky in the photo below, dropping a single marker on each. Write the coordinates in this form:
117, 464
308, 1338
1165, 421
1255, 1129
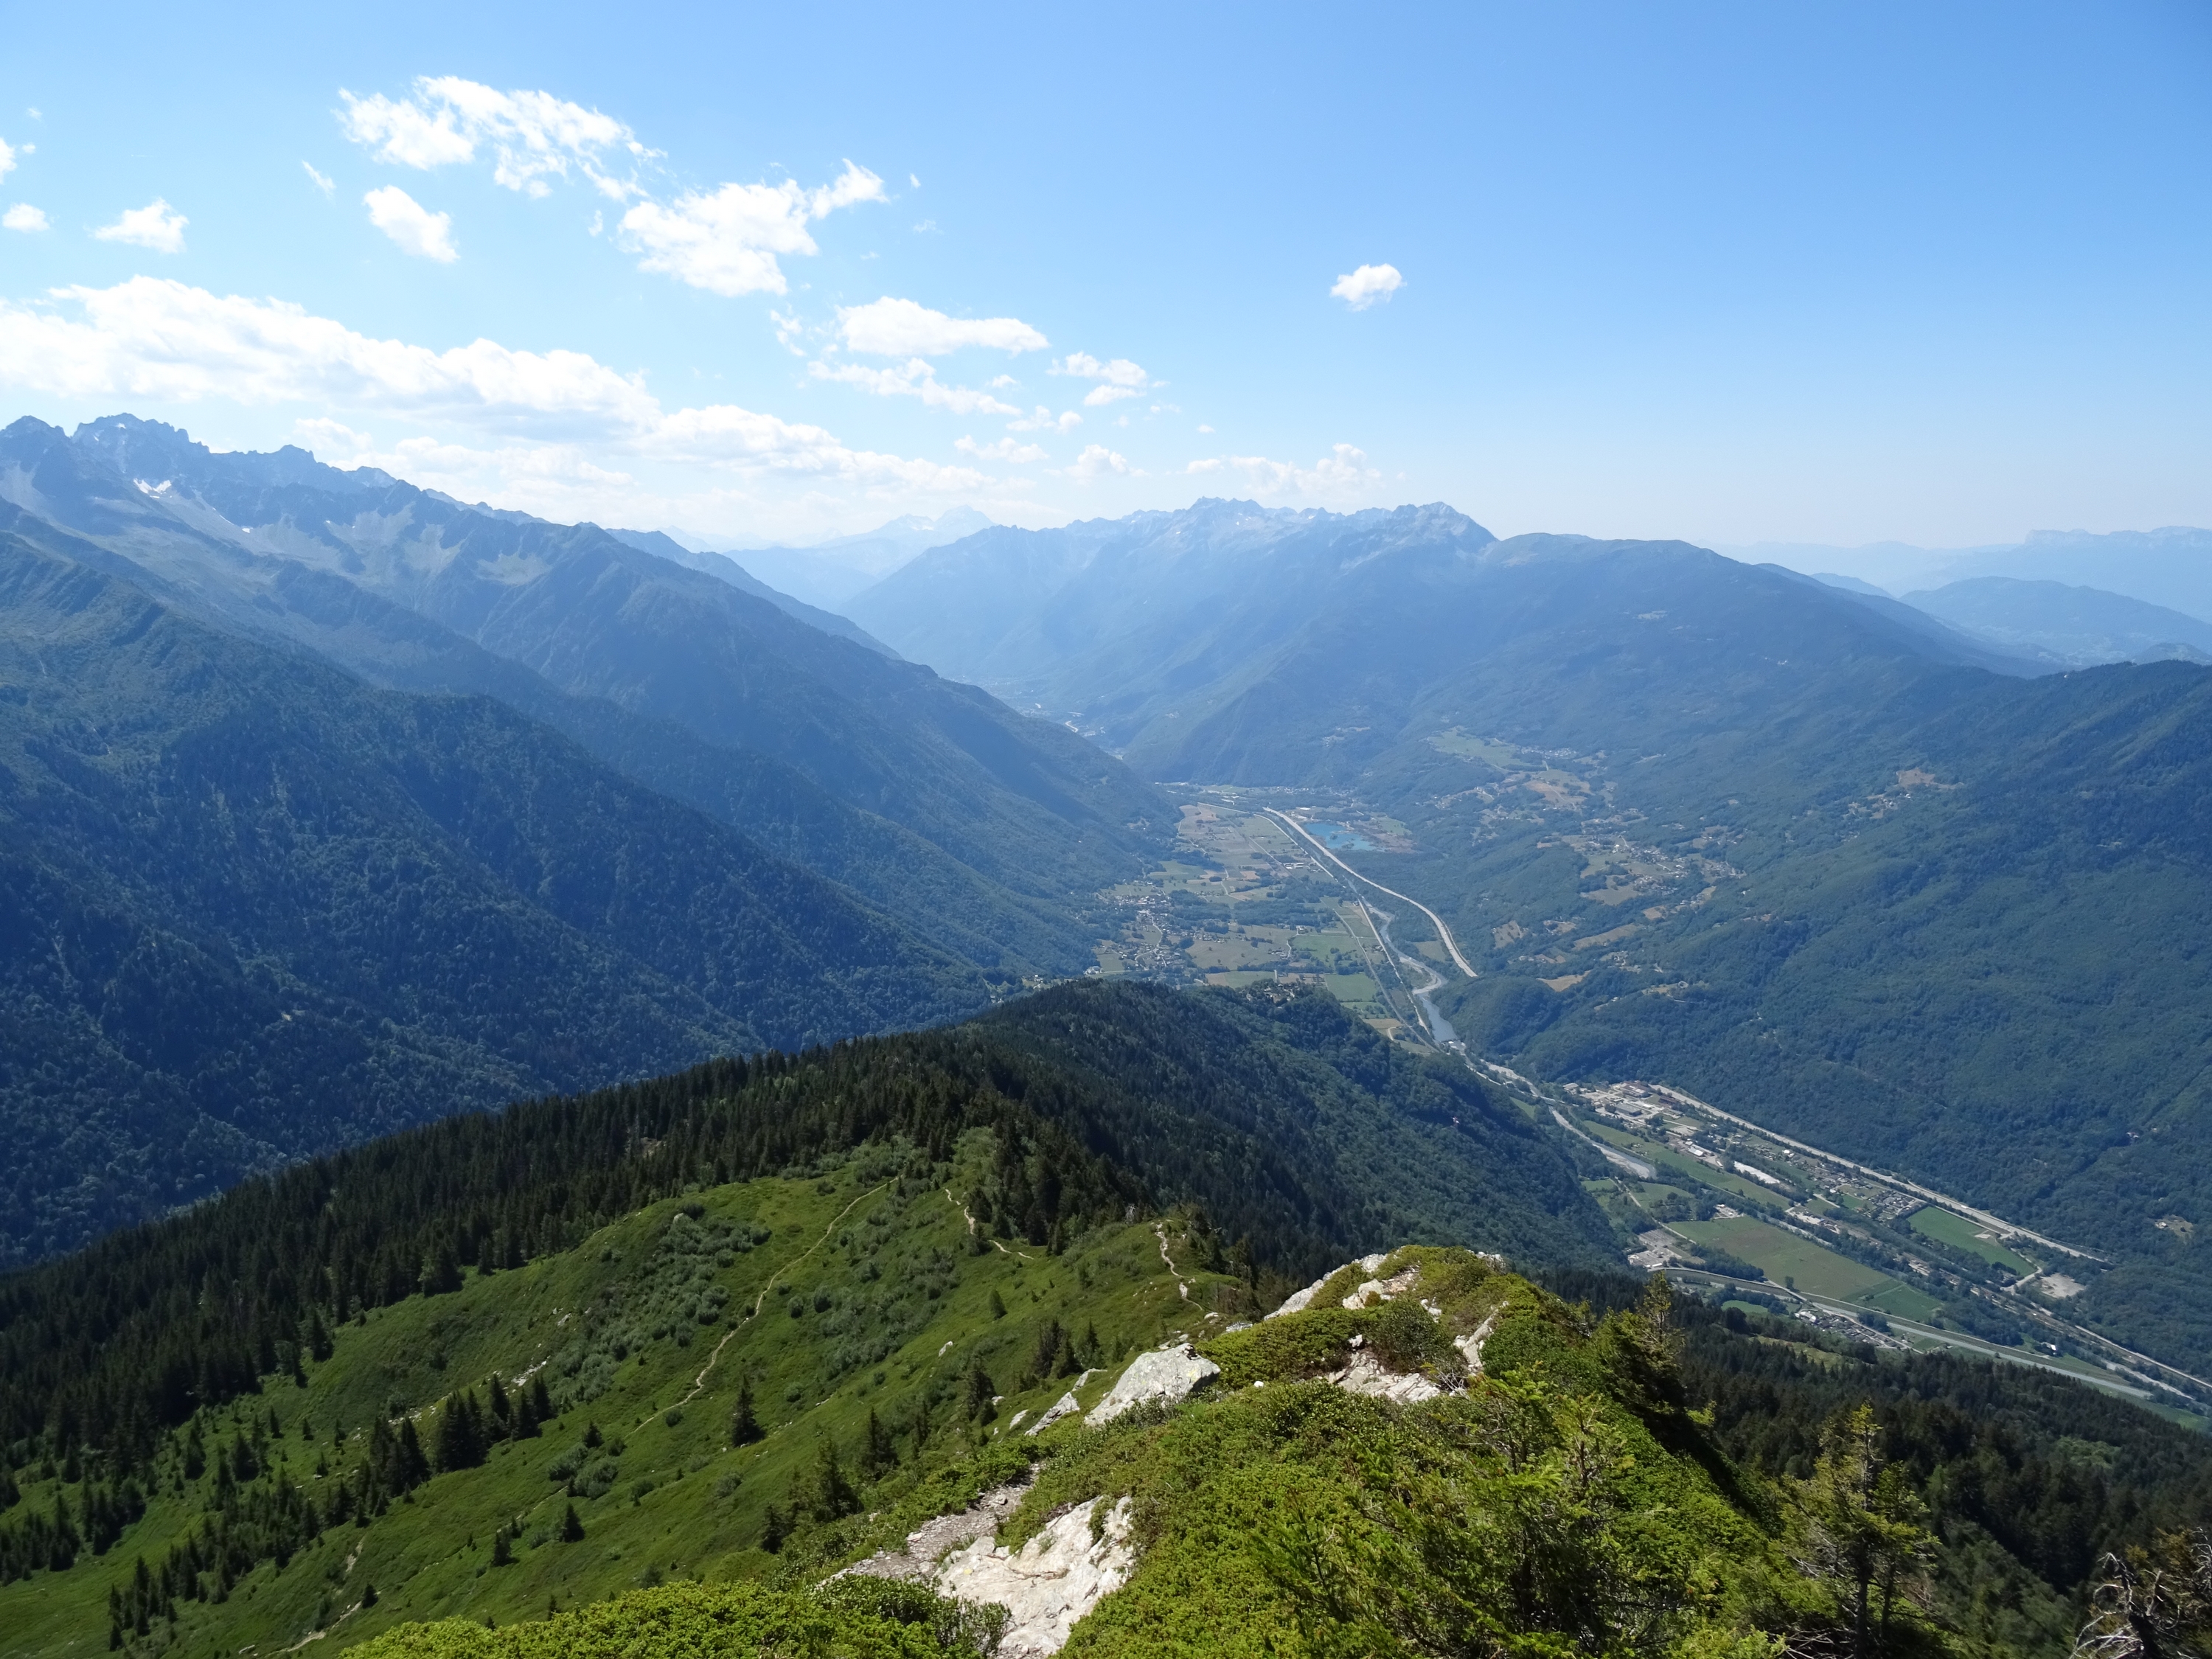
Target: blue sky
1802, 272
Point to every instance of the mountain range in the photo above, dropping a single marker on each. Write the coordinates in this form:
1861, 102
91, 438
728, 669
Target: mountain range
523, 807
2075, 627
568, 1101
2170, 567
1813, 854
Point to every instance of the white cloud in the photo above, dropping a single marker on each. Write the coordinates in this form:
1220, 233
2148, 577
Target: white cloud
152, 337
1203, 426
149, 338
533, 135
324, 182
1045, 421
1117, 379
459, 468
1341, 471
1364, 287
1096, 462
414, 227
8, 157
1005, 449
900, 328
24, 216
727, 242
331, 441
916, 378
157, 226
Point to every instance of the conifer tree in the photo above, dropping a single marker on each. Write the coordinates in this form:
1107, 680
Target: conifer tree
879, 1452
981, 1392
572, 1529
745, 1427
1860, 1528
833, 1496
463, 1441
413, 1467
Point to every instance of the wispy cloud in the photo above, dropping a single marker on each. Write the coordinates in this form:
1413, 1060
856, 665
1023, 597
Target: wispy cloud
1003, 449
1097, 461
914, 378
1364, 287
412, 227
157, 226
151, 338
533, 135
1342, 471
727, 241
1117, 379
903, 328
1043, 420
323, 181
8, 153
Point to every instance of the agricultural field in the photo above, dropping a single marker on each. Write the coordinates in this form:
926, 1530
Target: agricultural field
1245, 899
1970, 1236
1801, 1264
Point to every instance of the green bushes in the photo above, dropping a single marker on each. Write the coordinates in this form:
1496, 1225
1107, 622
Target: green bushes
854, 1619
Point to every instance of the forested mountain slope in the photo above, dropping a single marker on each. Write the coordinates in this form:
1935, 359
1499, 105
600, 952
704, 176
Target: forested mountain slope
255, 909
1297, 1126
1090, 1067
952, 804
751, 1324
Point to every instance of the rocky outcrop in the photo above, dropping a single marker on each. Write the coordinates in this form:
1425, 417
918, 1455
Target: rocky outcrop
929, 1543
1373, 1291
1364, 1372
1366, 1375
1080, 1558
1169, 1373
1299, 1301
1065, 1406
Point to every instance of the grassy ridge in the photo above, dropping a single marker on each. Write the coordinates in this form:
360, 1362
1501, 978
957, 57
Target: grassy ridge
874, 1296
1225, 1098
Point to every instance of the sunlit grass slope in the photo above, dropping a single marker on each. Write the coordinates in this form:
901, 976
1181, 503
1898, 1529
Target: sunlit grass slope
873, 1296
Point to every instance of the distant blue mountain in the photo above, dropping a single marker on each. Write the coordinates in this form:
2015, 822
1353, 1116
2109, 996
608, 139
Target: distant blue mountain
2077, 625
723, 568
